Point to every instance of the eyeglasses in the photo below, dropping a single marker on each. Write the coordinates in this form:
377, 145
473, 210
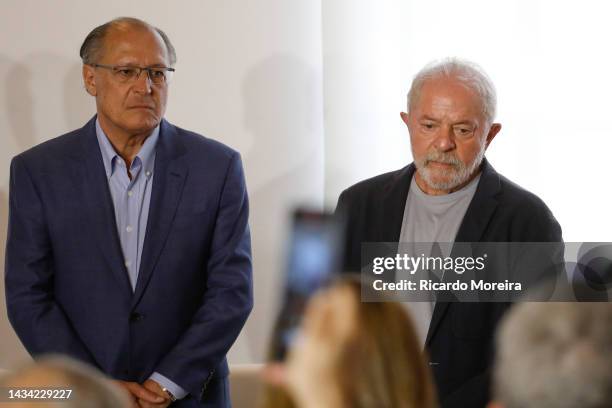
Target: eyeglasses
126, 74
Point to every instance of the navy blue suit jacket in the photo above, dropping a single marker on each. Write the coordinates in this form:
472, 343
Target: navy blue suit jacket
67, 288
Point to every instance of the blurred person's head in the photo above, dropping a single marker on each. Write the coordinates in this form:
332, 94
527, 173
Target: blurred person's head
354, 354
554, 355
451, 108
90, 389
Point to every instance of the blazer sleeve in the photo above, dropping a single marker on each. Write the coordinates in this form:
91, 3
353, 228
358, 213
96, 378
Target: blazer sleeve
40, 323
352, 213
228, 299
345, 212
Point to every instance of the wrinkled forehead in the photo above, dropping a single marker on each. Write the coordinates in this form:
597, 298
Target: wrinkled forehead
448, 95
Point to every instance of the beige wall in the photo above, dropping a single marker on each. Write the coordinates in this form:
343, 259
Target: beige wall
248, 74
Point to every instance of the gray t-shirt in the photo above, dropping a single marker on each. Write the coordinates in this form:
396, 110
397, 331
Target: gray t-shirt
429, 218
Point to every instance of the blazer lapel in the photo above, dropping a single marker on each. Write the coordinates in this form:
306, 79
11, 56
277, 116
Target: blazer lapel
100, 206
482, 207
169, 176
472, 227
393, 205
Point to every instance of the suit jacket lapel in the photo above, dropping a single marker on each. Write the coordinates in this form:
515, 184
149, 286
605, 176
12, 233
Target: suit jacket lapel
472, 227
393, 205
169, 176
482, 207
100, 206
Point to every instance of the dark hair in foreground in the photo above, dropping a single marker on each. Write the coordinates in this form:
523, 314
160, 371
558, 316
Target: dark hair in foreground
93, 46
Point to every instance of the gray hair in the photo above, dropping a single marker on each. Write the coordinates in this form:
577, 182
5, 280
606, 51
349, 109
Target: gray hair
91, 50
555, 355
467, 73
90, 389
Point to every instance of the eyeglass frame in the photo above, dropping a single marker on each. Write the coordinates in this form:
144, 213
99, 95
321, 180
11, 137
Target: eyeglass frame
115, 68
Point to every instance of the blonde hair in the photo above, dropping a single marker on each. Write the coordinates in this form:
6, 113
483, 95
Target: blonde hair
375, 360
381, 363
90, 388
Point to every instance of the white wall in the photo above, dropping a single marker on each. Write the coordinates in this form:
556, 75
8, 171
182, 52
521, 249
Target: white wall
551, 66
248, 74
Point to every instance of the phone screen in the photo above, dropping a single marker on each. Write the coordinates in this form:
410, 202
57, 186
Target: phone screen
314, 257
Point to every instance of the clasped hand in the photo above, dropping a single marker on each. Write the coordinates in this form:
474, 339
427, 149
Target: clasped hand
148, 395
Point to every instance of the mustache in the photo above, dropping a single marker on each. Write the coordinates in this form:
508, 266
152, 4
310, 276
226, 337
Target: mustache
441, 157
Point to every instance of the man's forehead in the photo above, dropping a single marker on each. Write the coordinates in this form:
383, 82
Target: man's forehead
448, 94
135, 42
447, 86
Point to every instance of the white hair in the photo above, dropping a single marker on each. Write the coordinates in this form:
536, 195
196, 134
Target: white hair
555, 355
467, 73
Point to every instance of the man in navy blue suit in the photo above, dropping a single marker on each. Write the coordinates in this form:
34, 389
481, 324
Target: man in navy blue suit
128, 242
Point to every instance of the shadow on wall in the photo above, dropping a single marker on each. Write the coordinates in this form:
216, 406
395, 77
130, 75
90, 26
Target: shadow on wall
45, 97
284, 167
78, 106
19, 105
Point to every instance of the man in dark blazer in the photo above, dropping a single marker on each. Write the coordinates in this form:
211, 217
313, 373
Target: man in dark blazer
450, 120
128, 241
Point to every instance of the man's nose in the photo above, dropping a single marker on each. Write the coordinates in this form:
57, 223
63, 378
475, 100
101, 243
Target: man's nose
445, 140
143, 82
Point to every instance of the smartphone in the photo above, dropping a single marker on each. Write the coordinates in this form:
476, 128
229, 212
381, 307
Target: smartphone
314, 256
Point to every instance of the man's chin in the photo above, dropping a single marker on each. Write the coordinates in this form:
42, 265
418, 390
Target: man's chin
143, 124
439, 177
440, 182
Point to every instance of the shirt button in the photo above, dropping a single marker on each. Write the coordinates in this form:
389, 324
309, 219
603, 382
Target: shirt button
136, 317
128, 263
148, 174
129, 228
130, 193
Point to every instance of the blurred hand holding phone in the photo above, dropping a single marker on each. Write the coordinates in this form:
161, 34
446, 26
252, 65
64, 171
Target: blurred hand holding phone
313, 258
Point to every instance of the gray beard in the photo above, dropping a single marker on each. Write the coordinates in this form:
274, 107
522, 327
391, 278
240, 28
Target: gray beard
458, 175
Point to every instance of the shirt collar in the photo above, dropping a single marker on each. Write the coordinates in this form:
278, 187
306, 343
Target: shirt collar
146, 154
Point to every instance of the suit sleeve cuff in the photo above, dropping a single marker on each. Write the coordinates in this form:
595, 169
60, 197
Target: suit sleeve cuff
168, 384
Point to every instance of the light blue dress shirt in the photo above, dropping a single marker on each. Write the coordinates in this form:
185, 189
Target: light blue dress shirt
131, 200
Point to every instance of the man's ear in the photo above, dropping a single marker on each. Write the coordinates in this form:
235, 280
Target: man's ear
89, 79
493, 131
494, 404
404, 116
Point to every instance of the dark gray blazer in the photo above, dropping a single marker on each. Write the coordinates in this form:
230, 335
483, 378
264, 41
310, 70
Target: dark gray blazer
460, 337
